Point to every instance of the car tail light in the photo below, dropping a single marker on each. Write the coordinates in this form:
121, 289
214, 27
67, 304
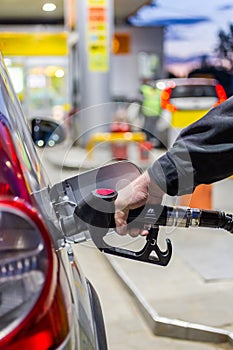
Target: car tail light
32, 310
221, 94
165, 100
12, 181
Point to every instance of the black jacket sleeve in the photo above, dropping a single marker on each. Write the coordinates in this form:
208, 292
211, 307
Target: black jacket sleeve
202, 154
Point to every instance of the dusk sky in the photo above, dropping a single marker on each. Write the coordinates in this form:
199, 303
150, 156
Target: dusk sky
191, 25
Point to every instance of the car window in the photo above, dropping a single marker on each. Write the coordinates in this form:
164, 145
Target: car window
193, 91
12, 111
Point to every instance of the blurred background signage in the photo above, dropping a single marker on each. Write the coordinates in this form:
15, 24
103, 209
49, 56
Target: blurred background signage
97, 36
33, 44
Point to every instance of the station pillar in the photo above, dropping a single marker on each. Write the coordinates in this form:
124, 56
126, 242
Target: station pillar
95, 27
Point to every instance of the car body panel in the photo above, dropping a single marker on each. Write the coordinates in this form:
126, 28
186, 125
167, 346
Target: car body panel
194, 103
182, 118
68, 274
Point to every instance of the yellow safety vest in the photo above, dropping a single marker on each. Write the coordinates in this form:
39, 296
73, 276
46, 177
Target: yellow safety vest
151, 104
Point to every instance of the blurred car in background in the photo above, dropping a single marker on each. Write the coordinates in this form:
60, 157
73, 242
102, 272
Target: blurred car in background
183, 101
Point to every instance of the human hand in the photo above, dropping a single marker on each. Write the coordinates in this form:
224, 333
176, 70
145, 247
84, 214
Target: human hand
141, 191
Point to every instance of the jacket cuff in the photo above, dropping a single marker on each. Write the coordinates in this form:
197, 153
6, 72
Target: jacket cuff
170, 176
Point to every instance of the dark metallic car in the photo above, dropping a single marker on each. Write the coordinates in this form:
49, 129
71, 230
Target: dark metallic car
46, 301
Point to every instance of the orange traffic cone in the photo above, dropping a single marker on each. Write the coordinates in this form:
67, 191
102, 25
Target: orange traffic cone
200, 198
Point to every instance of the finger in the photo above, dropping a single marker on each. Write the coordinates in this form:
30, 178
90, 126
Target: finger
120, 221
144, 233
121, 230
120, 218
134, 232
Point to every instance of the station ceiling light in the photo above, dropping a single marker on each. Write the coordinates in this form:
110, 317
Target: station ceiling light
49, 7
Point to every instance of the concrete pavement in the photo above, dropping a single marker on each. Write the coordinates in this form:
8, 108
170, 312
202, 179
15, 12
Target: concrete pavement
192, 297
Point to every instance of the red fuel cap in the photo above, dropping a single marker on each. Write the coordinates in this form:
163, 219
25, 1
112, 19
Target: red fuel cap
105, 192
108, 194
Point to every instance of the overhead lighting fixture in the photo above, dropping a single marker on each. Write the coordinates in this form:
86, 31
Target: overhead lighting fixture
49, 7
59, 73
8, 62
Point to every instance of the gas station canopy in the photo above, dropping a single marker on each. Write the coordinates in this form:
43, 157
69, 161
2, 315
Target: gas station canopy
23, 12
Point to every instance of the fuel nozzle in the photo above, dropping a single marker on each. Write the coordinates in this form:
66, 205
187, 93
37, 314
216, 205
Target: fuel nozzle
97, 211
97, 208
